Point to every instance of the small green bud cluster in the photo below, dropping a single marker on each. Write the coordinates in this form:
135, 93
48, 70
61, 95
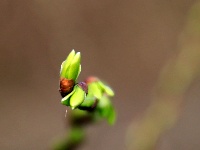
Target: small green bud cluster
92, 95
102, 93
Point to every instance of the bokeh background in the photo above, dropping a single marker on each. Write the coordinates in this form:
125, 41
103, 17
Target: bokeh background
126, 43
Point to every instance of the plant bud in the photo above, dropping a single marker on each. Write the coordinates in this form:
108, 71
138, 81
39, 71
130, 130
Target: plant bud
65, 65
91, 79
66, 86
74, 68
98, 88
71, 68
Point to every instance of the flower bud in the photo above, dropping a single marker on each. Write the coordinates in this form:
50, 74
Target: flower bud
71, 68
75, 67
65, 65
66, 86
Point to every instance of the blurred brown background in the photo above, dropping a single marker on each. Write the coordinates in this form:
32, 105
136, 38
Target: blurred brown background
123, 42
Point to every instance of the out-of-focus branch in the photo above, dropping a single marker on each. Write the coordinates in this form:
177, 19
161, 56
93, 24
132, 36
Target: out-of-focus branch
75, 136
174, 80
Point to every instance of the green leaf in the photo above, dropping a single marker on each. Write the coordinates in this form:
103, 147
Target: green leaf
95, 90
106, 110
74, 68
67, 63
106, 89
77, 98
109, 91
88, 102
61, 67
79, 71
103, 106
65, 100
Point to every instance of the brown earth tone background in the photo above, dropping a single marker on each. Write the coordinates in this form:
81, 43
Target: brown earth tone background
126, 43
